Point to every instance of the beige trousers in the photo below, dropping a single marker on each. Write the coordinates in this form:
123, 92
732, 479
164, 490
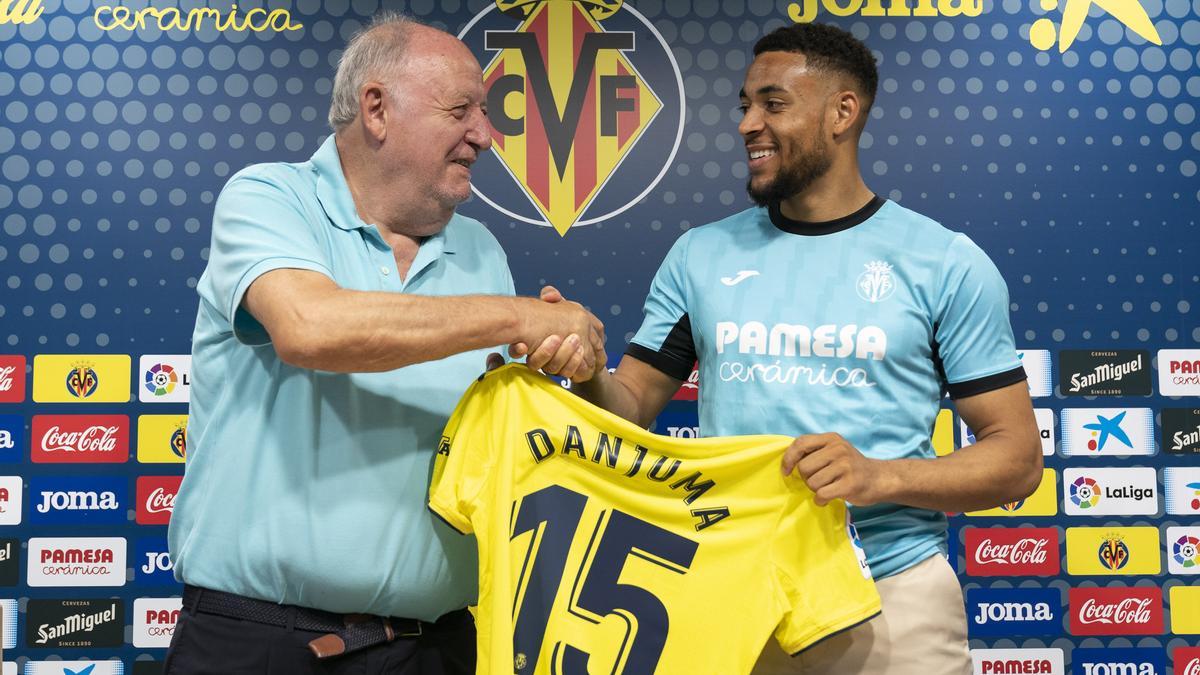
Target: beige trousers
922, 631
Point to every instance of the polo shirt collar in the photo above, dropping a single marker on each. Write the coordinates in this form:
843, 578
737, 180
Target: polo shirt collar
334, 194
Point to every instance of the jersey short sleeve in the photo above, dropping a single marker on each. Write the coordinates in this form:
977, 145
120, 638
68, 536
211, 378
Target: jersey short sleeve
257, 227
827, 586
972, 330
665, 338
458, 476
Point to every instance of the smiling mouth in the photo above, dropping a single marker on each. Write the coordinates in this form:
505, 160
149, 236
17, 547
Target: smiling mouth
761, 154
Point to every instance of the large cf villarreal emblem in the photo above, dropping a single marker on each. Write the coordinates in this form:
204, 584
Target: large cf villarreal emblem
586, 118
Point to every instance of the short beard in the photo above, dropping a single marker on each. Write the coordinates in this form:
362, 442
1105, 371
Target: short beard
791, 180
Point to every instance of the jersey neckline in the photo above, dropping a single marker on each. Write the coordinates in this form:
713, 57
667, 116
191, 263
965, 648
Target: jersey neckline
816, 229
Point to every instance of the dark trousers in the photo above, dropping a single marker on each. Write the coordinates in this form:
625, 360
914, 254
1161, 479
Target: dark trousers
208, 644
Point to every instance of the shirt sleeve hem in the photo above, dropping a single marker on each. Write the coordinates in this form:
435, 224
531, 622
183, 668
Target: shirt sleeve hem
847, 622
661, 362
450, 517
981, 385
257, 270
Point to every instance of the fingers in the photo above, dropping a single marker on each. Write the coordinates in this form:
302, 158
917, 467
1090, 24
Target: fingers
516, 351
800, 447
545, 351
563, 355
550, 294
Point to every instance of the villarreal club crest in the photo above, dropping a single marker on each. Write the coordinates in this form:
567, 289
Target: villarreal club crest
586, 106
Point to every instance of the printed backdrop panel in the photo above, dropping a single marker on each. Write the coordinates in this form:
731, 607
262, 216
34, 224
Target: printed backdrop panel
1058, 134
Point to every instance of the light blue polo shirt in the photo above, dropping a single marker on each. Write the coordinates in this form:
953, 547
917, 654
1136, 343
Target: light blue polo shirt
856, 326
308, 487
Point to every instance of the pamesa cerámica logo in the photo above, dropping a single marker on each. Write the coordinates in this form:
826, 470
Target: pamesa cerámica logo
1043, 34
586, 105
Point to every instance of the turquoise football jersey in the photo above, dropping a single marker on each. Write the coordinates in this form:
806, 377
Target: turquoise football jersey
857, 326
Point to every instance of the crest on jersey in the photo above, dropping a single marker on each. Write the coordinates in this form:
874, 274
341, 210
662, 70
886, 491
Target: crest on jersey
586, 105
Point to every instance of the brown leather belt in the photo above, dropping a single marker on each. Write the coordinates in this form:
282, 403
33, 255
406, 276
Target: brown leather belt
344, 633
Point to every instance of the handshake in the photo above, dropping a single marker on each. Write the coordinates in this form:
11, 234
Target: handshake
557, 336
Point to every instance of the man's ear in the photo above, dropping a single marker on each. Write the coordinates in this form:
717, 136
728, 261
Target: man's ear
374, 108
846, 109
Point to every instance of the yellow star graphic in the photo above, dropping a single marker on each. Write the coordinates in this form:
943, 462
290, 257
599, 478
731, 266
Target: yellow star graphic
1128, 12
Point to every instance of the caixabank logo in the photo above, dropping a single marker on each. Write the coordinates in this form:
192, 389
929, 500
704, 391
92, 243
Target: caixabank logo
586, 105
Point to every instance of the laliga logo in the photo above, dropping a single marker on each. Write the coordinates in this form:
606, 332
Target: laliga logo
581, 112
1186, 551
161, 379
1127, 611
82, 380
1024, 552
1085, 492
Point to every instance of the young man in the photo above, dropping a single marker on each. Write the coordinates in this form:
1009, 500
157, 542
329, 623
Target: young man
839, 317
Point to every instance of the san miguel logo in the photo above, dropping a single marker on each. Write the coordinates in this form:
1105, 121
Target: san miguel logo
584, 98
1121, 372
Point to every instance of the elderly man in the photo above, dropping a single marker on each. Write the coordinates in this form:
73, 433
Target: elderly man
344, 310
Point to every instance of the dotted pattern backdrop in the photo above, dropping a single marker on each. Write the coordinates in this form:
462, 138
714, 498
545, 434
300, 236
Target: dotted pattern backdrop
1075, 171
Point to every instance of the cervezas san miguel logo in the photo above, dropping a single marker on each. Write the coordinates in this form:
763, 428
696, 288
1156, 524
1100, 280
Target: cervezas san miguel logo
586, 105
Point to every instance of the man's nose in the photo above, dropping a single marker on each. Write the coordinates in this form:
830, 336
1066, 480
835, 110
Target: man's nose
479, 133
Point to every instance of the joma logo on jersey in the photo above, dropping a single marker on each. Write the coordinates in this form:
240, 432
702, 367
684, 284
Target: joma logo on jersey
568, 107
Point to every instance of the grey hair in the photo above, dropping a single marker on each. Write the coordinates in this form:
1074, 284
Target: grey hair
372, 54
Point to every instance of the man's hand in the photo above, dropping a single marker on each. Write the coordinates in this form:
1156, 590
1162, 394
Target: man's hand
563, 338
834, 469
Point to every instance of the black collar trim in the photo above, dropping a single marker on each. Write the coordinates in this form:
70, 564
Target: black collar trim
810, 229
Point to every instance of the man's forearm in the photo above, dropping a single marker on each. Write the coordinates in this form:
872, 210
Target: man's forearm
993, 471
606, 390
361, 331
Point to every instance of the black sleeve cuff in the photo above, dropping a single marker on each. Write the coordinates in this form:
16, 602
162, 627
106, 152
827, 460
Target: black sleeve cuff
985, 384
664, 363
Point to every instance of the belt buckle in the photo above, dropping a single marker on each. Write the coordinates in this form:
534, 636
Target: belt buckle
387, 625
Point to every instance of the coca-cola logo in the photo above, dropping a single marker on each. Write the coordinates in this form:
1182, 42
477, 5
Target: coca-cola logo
160, 501
1026, 551
1129, 611
1012, 551
156, 499
6, 377
80, 438
96, 438
1192, 667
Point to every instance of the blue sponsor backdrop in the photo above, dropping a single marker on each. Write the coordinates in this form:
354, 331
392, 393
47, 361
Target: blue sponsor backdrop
1074, 170
1013, 612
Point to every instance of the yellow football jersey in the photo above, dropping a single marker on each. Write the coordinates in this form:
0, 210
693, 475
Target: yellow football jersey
604, 548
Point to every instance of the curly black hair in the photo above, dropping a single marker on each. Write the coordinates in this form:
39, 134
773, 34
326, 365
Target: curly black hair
827, 47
